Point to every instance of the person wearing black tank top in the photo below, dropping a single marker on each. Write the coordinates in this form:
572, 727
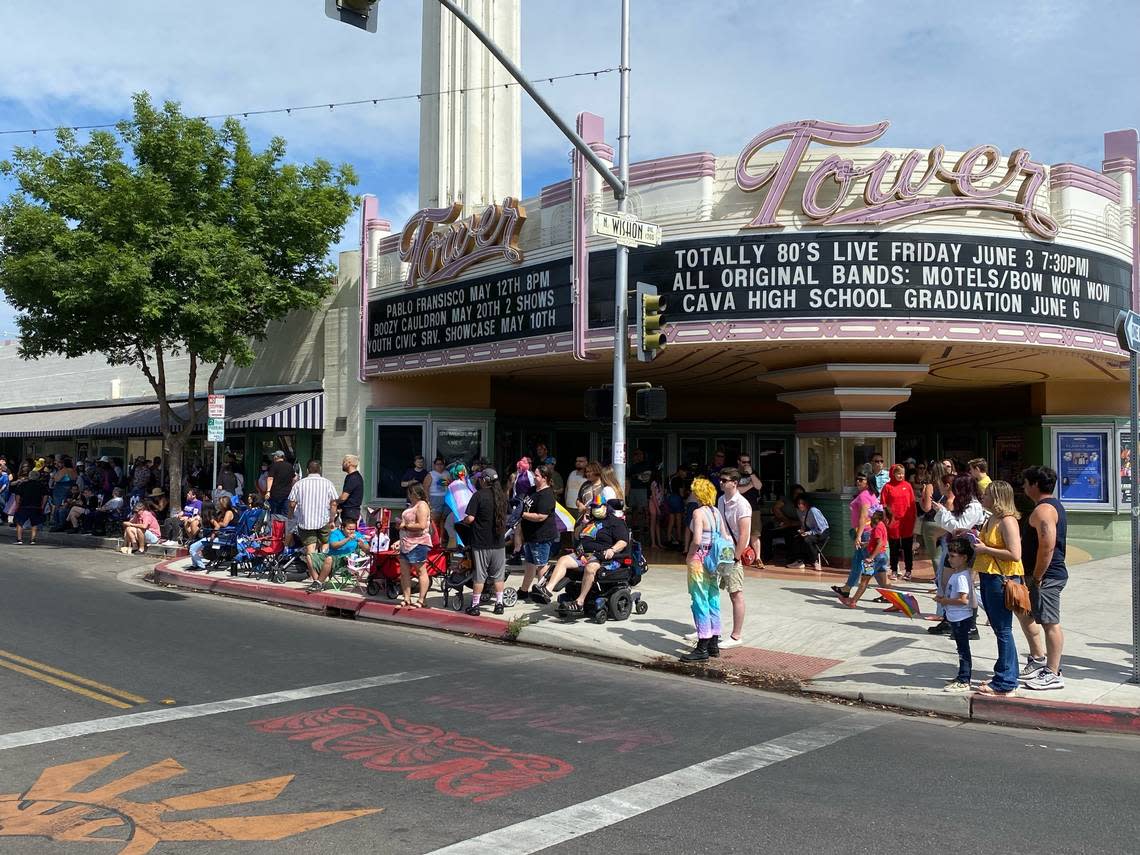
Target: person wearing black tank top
1043, 551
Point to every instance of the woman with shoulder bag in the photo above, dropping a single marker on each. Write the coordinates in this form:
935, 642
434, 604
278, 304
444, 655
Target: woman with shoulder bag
704, 588
998, 564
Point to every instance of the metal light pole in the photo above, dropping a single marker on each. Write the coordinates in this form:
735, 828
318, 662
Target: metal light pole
1134, 431
366, 12
620, 185
621, 266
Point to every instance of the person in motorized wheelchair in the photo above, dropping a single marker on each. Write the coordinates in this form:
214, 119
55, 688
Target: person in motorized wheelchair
602, 543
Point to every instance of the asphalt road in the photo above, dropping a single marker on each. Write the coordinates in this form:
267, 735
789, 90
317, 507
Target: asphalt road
307, 734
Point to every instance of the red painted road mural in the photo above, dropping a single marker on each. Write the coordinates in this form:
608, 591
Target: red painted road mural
461, 766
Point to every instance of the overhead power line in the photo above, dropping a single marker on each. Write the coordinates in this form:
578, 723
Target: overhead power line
245, 114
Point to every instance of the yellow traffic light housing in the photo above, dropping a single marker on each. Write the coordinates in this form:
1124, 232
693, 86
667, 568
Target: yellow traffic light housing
649, 307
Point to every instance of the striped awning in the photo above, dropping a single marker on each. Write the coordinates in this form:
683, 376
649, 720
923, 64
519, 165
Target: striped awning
289, 410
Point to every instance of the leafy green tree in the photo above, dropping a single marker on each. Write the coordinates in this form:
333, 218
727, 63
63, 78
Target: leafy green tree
168, 238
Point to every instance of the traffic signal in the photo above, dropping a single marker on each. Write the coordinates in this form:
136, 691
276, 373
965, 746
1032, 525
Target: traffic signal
359, 13
649, 306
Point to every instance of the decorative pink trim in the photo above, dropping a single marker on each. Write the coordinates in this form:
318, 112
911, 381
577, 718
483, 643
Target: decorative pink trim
1063, 175
592, 128
678, 167
378, 224
1118, 164
602, 150
388, 244
1120, 152
369, 214
845, 329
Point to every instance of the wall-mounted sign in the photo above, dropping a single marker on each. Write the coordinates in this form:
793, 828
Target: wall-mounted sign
510, 305
978, 180
1124, 443
439, 246
878, 275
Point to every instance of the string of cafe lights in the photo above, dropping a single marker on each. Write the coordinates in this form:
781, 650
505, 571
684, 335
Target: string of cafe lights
245, 114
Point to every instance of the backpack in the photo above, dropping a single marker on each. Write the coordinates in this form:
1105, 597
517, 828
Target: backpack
721, 556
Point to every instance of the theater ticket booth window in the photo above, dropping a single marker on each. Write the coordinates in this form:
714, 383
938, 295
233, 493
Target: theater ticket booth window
827, 464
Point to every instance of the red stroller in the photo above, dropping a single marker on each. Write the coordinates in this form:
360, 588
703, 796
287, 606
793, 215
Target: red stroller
385, 573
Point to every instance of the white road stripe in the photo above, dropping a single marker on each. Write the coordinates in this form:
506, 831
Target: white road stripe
122, 722
542, 832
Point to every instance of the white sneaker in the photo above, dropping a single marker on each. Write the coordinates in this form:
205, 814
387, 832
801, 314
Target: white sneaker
1032, 668
693, 637
729, 641
1045, 680
957, 686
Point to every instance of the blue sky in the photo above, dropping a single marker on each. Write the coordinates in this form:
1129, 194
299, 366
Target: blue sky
1049, 76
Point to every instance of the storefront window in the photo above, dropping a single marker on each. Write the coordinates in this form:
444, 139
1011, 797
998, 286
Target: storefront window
396, 450
459, 442
769, 466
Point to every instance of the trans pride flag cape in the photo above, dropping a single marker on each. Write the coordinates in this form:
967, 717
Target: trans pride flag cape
459, 493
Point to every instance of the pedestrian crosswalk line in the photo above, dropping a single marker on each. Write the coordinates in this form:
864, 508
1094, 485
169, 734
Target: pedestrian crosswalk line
141, 719
542, 832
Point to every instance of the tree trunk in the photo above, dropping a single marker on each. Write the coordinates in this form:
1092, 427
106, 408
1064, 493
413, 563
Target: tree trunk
173, 446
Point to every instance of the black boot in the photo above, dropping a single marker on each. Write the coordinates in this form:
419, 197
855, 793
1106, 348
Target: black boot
714, 647
700, 653
940, 628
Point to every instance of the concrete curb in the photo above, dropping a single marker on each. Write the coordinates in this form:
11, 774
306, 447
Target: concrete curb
90, 541
1028, 712
435, 618
1055, 715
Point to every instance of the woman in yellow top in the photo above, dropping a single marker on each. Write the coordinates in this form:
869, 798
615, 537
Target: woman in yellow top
999, 560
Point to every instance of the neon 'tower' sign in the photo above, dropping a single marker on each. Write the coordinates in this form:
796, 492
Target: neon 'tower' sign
437, 254
902, 197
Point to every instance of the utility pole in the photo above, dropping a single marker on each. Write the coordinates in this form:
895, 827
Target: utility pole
621, 267
362, 13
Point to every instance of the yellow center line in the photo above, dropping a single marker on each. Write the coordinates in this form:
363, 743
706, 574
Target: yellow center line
73, 678
71, 687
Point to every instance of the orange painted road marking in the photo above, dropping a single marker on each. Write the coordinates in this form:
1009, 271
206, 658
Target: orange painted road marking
55, 807
71, 682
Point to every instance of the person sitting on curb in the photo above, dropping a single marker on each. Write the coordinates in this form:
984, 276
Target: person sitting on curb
140, 530
602, 542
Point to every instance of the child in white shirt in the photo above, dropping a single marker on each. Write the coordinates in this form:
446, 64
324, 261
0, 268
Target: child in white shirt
957, 601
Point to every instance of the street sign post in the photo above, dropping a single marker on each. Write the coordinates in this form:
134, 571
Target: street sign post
216, 427
1128, 334
626, 229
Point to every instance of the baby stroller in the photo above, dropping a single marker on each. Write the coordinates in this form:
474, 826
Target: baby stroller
462, 575
384, 574
222, 546
612, 594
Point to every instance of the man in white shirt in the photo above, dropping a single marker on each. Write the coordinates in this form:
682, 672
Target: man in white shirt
574, 481
312, 501
737, 513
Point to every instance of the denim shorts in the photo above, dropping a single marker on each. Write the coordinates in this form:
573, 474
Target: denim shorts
416, 555
150, 536
537, 553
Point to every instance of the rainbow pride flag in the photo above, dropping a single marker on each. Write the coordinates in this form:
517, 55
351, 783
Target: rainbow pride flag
901, 601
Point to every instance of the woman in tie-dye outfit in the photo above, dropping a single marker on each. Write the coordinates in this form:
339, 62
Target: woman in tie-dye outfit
704, 592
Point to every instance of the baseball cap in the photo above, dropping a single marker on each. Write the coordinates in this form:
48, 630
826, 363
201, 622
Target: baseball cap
278, 454
488, 474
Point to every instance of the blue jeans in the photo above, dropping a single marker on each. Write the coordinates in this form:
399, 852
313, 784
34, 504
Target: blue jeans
856, 569
279, 507
1001, 621
960, 632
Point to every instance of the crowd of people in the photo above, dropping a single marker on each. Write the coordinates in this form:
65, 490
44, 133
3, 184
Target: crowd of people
982, 553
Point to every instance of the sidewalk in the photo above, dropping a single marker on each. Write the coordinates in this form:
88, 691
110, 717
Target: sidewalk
797, 637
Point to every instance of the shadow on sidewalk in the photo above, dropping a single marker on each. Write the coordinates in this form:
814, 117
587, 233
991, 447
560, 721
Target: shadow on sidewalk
916, 674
